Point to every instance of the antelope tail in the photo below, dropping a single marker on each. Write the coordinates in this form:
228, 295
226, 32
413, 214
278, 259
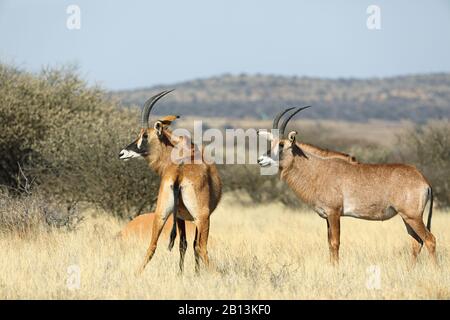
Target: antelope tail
176, 197
430, 212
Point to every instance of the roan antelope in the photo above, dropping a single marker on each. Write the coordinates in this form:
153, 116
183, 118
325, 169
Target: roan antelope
336, 185
191, 191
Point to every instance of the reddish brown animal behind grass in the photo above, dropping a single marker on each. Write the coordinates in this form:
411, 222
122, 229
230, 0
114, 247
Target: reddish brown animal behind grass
141, 228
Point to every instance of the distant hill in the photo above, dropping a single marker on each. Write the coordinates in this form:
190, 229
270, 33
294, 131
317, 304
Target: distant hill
414, 97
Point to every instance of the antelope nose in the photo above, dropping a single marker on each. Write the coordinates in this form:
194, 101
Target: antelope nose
121, 153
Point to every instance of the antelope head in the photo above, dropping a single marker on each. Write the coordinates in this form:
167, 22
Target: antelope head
282, 148
150, 140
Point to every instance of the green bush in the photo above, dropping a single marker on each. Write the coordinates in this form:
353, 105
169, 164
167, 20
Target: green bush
67, 136
250, 187
428, 147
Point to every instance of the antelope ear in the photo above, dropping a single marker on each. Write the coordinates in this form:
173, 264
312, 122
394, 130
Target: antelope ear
164, 123
158, 126
291, 136
167, 120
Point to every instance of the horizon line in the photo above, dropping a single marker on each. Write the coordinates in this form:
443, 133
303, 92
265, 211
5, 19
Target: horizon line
258, 74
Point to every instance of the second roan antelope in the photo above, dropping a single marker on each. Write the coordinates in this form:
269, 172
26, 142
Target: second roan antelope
189, 189
141, 228
336, 185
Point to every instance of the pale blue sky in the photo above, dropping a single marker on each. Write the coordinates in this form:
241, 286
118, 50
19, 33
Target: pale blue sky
127, 44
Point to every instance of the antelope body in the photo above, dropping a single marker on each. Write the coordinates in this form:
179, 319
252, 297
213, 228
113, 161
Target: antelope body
188, 189
337, 185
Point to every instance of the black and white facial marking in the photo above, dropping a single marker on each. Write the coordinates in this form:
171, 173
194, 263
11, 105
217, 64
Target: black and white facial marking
266, 160
280, 146
136, 149
278, 149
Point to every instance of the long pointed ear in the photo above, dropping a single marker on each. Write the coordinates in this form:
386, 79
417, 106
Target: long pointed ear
291, 136
159, 127
167, 120
296, 150
163, 123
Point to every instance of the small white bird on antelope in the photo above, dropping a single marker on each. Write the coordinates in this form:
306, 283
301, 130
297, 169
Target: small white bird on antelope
337, 185
189, 189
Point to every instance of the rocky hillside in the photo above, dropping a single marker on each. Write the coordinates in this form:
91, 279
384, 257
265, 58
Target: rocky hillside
414, 97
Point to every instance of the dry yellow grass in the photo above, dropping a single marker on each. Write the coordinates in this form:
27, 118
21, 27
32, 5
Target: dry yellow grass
264, 252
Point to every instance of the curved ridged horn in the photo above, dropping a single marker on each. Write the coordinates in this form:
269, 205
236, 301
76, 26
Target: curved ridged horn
286, 120
148, 106
278, 117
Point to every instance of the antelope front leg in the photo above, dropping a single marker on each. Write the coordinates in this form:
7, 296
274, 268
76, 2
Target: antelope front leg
196, 202
164, 207
334, 230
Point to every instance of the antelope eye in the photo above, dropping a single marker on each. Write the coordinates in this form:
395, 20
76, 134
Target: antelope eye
281, 144
145, 136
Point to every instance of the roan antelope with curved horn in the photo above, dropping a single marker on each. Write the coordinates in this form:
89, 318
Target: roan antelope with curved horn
190, 190
336, 185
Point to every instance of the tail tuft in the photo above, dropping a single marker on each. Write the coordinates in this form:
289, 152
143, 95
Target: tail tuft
173, 235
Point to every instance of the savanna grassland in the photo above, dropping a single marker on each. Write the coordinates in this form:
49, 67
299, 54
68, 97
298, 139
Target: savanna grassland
64, 195
259, 252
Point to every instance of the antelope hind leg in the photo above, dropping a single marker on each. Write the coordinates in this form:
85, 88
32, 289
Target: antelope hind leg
202, 240
334, 231
426, 236
417, 242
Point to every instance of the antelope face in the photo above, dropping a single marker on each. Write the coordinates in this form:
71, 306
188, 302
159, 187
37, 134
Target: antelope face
139, 147
281, 151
